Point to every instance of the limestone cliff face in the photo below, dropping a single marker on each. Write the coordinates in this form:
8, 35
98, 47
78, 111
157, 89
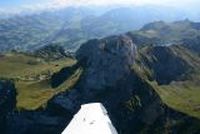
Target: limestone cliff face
107, 65
109, 79
106, 61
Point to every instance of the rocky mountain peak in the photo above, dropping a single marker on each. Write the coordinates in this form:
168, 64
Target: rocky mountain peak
106, 61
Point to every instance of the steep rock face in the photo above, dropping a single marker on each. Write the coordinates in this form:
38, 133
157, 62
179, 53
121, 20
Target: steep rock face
107, 61
107, 66
109, 79
166, 64
132, 103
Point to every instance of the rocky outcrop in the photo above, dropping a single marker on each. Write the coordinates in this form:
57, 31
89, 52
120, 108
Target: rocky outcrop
106, 61
106, 64
166, 64
109, 79
132, 103
51, 52
107, 67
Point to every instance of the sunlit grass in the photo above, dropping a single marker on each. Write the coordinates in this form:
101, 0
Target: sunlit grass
32, 76
183, 96
19, 66
33, 95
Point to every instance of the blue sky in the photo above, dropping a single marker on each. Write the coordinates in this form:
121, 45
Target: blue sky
11, 3
17, 6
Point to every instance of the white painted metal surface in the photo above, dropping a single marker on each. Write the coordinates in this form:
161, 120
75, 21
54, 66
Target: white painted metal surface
91, 119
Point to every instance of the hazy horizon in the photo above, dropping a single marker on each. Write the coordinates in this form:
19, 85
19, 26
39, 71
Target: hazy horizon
12, 6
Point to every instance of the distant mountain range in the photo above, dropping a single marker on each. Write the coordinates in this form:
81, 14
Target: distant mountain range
186, 33
71, 27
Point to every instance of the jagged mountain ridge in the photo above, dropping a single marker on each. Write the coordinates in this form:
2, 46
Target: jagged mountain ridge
161, 33
73, 26
134, 100
136, 91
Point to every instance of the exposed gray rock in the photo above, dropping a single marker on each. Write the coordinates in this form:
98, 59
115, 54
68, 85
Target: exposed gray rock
106, 64
166, 64
132, 104
106, 61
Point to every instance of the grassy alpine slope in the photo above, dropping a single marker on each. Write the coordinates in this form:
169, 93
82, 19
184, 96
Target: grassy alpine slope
182, 91
32, 78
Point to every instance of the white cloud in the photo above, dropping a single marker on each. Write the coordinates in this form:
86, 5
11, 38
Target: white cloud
100, 2
176, 3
